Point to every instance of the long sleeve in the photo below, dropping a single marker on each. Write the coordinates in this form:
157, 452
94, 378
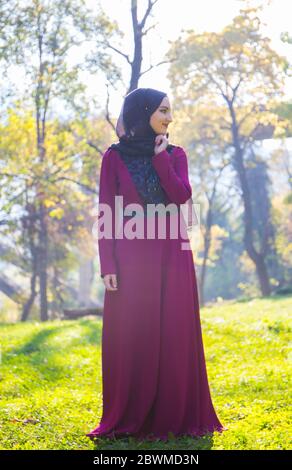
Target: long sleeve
107, 192
174, 180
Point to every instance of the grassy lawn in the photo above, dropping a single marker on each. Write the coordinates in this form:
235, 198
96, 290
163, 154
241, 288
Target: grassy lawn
51, 387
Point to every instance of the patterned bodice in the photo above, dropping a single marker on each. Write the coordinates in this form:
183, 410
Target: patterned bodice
146, 179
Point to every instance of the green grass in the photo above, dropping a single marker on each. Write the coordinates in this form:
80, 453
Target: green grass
51, 388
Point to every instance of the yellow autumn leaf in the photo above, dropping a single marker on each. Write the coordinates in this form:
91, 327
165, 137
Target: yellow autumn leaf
57, 213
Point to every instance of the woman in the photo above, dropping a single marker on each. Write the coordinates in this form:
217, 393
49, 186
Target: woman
153, 364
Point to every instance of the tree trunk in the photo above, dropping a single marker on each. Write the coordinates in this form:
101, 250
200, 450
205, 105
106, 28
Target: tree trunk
28, 304
42, 264
207, 243
263, 276
256, 257
29, 224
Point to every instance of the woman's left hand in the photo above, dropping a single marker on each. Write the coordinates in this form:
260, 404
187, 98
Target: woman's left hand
161, 142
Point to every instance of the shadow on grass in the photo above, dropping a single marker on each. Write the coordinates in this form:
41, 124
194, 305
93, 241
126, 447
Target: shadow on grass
37, 349
38, 341
131, 443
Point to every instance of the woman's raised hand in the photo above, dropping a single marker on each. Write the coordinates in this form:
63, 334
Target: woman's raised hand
161, 142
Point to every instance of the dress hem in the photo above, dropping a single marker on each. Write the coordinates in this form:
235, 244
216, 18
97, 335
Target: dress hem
152, 436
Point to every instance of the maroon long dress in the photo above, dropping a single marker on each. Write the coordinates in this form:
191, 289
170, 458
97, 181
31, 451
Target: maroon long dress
153, 364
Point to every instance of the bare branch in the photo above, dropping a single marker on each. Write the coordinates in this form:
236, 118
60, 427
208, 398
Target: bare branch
94, 146
82, 185
119, 52
211, 78
107, 116
147, 12
156, 65
14, 175
148, 29
235, 89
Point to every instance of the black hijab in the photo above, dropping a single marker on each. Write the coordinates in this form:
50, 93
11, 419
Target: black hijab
137, 142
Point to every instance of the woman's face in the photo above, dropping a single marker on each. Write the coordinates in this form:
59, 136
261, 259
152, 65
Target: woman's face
161, 118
